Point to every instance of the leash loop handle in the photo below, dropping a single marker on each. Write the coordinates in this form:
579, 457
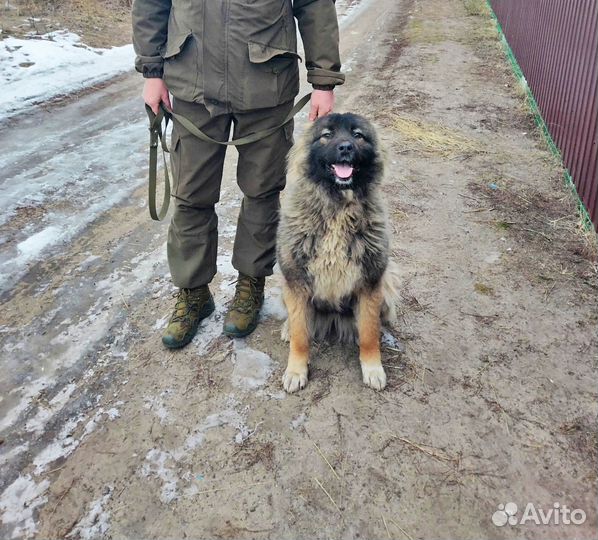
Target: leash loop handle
158, 135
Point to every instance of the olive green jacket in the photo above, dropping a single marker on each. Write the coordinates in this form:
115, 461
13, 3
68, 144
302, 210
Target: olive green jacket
236, 55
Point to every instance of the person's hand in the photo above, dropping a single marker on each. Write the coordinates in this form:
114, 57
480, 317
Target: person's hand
154, 92
322, 103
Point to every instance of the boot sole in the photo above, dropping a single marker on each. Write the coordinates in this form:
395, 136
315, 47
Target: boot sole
240, 333
206, 311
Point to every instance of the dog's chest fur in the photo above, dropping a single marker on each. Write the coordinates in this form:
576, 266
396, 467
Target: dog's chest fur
328, 240
335, 266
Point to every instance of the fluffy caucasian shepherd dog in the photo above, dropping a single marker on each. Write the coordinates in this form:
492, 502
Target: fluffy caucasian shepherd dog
333, 246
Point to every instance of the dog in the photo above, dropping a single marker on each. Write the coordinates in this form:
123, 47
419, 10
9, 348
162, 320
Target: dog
333, 246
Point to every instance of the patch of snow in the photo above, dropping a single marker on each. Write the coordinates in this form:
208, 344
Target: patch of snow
18, 502
89, 261
92, 424
63, 445
155, 465
233, 202
157, 406
72, 343
28, 393
227, 229
281, 394
96, 522
8, 456
298, 421
93, 175
388, 340
54, 64
348, 11
113, 413
251, 368
210, 329
39, 421
161, 323
158, 462
66, 443
29, 249
12, 347
273, 305
227, 271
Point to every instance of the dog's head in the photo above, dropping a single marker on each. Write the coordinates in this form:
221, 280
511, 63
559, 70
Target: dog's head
344, 153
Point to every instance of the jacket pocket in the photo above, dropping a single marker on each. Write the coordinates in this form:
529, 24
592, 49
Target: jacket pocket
259, 53
273, 75
175, 45
182, 66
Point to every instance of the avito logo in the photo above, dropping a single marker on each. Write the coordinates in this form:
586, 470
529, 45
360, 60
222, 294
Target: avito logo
556, 515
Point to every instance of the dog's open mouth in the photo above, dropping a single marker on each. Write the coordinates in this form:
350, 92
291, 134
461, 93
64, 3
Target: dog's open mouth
343, 173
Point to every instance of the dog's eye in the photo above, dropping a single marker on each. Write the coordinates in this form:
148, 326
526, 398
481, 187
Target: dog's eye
326, 135
358, 135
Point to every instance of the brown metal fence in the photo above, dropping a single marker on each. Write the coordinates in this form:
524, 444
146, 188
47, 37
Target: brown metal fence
555, 42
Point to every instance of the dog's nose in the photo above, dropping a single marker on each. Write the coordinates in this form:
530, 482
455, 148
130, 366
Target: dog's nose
345, 147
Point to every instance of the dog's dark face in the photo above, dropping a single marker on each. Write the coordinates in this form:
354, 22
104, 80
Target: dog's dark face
344, 153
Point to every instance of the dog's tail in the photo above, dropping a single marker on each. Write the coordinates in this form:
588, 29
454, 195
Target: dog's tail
342, 328
333, 327
390, 293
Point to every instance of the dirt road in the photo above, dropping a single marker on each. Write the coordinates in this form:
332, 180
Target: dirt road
491, 396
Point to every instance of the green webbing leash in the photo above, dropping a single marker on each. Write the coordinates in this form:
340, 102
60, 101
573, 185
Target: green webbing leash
157, 134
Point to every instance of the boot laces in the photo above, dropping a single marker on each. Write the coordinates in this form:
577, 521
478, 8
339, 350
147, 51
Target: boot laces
183, 306
246, 294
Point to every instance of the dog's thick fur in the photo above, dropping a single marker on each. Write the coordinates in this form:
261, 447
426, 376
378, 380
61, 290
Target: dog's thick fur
333, 245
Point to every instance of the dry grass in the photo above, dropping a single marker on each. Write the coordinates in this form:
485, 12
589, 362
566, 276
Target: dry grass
545, 219
427, 32
481, 288
433, 138
100, 23
482, 31
475, 7
582, 437
250, 453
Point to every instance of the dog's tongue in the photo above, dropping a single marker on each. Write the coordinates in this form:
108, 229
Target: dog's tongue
343, 171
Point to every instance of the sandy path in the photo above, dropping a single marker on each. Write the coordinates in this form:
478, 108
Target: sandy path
491, 395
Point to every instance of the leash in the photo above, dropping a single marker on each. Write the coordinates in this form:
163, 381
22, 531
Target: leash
158, 136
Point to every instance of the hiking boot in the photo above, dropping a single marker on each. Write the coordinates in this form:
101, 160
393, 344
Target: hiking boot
242, 315
191, 307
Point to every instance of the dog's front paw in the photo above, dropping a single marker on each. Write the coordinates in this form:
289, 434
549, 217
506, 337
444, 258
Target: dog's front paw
294, 379
373, 376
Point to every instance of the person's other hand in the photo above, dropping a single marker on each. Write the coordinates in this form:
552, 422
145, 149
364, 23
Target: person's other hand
154, 92
322, 103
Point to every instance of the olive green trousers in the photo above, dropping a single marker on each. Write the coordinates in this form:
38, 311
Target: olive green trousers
197, 174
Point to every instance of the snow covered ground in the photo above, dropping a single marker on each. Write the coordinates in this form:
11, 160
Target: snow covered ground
65, 175
38, 69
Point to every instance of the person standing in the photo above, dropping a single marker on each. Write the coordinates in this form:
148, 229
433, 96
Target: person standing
230, 62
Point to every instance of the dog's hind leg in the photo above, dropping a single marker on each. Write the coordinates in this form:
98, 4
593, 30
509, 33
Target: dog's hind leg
368, 326
295, 376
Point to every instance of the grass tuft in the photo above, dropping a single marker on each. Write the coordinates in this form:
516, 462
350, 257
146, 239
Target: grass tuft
433, 138
475, 8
